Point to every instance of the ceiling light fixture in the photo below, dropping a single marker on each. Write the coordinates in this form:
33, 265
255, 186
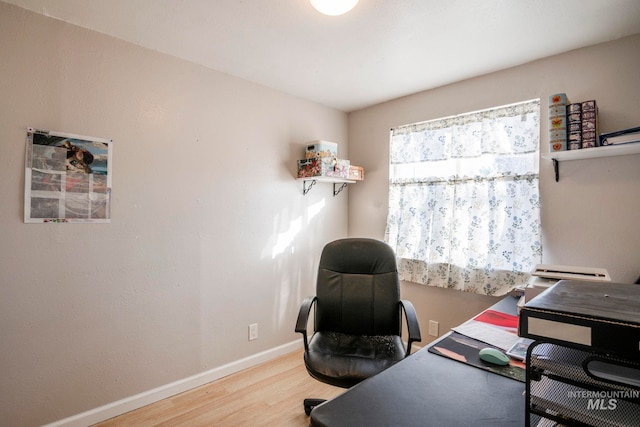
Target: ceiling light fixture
333, 7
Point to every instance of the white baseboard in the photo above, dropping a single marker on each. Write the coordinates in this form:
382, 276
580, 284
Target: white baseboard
120, 407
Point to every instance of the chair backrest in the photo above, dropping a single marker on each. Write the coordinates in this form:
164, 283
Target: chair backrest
358, 289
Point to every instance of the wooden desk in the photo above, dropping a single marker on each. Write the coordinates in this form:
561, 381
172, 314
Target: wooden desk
429, 390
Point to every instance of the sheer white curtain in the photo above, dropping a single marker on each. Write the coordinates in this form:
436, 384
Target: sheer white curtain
463, 199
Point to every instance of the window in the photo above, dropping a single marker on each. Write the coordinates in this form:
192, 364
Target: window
464, 207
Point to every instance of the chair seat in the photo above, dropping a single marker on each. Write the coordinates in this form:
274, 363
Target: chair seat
344, 360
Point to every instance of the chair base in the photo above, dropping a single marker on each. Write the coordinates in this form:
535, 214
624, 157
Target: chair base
309, 404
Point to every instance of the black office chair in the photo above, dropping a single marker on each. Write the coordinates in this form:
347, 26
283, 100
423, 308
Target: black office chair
358, 310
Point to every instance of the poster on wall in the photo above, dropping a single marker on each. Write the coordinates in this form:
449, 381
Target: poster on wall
67, 178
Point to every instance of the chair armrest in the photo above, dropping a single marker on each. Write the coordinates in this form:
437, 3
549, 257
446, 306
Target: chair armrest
413, 326
303, 319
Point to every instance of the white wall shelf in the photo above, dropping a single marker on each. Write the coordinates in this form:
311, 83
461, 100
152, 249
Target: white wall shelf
339, 184
590, 153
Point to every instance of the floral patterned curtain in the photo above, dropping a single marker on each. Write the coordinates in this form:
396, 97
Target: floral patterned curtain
463, 199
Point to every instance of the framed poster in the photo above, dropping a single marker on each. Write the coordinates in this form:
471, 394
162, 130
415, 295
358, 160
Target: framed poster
67, 178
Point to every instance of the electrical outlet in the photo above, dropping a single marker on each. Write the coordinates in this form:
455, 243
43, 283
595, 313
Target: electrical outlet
253, 331
433, 328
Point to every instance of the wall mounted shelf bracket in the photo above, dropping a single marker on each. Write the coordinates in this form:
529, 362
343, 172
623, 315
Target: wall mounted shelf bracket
306, 186
337, 188
339, 184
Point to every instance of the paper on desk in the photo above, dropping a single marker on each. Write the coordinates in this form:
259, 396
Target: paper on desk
487, 334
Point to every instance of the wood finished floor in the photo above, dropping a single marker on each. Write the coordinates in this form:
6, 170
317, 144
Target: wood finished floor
269, 394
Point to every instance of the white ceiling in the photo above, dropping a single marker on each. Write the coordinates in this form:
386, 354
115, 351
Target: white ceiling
382, 49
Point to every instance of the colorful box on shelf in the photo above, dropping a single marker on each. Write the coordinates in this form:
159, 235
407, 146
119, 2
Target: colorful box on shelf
558, 99
589, 124
574, 108
575, 140
574, 126
323, 166
557, 140
321, 149
589, 139
557, 110
557, 146
558, 105
557, 123
356, 173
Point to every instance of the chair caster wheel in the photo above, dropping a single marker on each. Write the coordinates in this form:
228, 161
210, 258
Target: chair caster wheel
307, 409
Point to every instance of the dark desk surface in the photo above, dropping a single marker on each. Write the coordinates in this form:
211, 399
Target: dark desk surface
429, 390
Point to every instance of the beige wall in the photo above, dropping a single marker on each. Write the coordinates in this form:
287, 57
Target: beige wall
209, 231
589, 218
